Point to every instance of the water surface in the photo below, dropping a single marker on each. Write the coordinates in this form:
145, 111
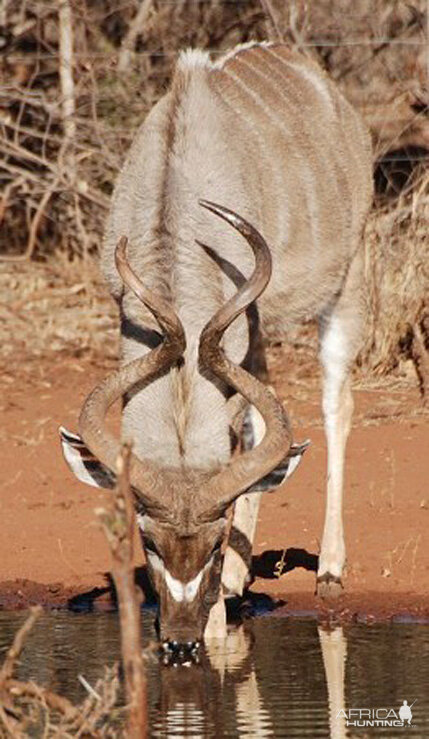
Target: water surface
274, 677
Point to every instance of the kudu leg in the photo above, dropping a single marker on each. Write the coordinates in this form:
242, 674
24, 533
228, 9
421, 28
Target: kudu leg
238, 555
340, 340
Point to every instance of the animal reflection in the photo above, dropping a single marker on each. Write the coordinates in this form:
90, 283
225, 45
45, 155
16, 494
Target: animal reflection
222, 692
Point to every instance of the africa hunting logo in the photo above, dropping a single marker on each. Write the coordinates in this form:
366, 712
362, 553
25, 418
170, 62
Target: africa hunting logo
383, 717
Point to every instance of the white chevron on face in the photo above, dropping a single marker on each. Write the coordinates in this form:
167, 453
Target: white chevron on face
180, 591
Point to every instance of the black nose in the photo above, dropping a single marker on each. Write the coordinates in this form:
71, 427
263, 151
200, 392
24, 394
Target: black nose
176, 652
173, 646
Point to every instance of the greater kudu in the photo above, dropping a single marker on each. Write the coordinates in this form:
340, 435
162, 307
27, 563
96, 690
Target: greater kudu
266, 133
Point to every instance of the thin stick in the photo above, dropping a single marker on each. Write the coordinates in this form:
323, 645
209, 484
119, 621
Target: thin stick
6, 195
118, 526
8, 724
129, 41
66, 68
31, 243
88, 687
271, 20
15, 650
55, 702
420, 357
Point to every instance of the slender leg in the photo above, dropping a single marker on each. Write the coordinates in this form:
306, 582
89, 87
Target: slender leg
340, 338
238, 555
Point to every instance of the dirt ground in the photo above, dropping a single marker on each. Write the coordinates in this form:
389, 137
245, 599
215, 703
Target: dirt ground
51, 549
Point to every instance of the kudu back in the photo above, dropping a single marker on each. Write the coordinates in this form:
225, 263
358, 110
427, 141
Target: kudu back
264, 133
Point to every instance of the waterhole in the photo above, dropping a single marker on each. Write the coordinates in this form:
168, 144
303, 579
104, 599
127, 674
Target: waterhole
274, 677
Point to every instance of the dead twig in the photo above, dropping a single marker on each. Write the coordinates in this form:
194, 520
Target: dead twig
9, 724
32, 236
129, 40
6, 195
420, 357
273, 27
14, 694
55, 702
66, 68
15, 650
118, 526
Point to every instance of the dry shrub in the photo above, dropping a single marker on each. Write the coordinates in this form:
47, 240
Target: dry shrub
29, 709
56, 189
397, 274
58, 306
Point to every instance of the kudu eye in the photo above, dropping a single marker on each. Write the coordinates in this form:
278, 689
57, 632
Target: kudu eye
216, 547
150, 546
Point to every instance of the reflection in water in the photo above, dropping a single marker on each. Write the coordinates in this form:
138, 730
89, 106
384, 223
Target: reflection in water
252, 718
334, 652
272, 677
232, 657
184, 694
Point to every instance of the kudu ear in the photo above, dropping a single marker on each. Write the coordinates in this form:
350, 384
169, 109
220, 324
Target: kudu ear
82, 462
275, 478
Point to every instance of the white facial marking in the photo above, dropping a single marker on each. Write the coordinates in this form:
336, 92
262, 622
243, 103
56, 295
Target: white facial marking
192, 587
180, 591
176, 587
156, 562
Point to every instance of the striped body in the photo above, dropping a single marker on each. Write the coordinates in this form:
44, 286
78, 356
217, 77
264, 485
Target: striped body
265, 132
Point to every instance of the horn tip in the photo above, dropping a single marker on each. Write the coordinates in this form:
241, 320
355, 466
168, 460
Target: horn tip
121, 249
228, 215
208, 204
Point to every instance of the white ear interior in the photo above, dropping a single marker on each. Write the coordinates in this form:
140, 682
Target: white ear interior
275, 478
293, 464
83, 463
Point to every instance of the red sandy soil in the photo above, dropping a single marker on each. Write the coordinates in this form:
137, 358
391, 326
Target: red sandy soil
52, 549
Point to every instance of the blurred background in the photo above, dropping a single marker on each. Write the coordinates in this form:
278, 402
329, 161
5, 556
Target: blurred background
77, 78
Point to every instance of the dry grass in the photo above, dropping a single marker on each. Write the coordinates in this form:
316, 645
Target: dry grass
397, 275
57, 306
56, 187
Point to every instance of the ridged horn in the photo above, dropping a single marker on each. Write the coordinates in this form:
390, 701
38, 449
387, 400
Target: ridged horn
252, 465
146, 477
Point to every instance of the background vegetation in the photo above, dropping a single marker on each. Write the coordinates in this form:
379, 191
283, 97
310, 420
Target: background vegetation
78, 76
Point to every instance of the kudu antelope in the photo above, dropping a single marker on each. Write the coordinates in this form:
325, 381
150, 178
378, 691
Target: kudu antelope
265, 133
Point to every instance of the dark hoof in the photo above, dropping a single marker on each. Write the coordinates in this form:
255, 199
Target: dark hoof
329, 586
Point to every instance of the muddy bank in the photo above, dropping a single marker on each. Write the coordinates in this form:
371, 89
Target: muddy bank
365, 607
51, 550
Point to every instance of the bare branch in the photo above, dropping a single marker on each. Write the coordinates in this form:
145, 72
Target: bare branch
129, 40
66, 67
273, 27
118, 526
15, 650
56, 702
31, 243
420, 357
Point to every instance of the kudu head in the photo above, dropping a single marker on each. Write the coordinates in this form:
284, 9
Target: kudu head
182, 511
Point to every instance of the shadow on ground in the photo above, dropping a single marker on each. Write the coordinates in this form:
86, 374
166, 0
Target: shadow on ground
268, 565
